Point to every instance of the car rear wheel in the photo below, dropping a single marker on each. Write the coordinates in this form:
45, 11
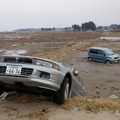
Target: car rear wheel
90, 59
63, 93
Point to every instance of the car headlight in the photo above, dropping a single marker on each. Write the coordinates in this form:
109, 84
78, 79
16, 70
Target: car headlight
112, 58
45, 75
55, 66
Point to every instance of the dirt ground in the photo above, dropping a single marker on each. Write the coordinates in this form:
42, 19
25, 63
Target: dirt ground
100, 80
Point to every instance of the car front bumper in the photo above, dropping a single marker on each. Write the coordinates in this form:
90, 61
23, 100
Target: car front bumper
30, 81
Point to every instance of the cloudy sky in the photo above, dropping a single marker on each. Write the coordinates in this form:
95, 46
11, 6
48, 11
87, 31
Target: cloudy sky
15, 14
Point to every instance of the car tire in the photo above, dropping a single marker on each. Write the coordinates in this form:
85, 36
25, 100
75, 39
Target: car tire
63, 93
1, 89
90, 59
108, 62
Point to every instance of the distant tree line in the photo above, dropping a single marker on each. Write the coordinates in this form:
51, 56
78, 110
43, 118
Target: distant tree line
76, 27
91, 26
85, 26
88, 26
48, 29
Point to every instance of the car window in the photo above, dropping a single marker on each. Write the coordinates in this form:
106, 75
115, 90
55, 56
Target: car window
109, 52
100, 52
1, 59
93, 51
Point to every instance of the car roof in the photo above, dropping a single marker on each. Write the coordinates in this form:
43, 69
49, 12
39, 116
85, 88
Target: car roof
99, 48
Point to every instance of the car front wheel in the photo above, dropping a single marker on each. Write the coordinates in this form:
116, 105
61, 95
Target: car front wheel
63, 93
1, 89
108, 62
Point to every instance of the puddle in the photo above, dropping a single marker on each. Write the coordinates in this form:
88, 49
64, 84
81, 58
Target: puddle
110, 38
14, 52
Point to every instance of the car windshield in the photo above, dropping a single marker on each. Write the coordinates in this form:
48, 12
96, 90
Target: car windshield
109, 52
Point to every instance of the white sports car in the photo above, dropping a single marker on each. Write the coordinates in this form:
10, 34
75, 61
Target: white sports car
37, 75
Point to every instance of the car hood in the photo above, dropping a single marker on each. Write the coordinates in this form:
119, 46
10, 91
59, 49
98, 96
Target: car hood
115, 55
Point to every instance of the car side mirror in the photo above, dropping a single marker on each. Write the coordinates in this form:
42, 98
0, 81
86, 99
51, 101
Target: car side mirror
75, 72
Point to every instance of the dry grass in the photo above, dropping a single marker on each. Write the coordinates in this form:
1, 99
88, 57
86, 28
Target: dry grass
92, 105
109, 104
25, 98
61, 55
111, 34
81, 103
29, 38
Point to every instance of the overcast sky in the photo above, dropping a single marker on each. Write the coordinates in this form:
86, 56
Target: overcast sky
15, 14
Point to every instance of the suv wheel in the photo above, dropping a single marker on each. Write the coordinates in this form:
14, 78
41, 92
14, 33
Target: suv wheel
90, 59
108, 62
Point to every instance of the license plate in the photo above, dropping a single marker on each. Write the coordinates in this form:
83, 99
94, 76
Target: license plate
14, 70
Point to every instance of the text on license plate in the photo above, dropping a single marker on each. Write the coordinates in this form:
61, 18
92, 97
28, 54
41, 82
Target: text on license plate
14, 70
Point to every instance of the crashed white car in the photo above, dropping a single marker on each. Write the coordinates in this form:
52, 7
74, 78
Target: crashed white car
37, 75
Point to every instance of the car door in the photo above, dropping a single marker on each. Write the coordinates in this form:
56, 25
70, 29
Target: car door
77, 86
101, 56
93, 53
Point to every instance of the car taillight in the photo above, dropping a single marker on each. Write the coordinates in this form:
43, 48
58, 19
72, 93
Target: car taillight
45, 75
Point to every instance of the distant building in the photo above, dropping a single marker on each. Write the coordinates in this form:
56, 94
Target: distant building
106, 28
68, 29
99, 28
114, 26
